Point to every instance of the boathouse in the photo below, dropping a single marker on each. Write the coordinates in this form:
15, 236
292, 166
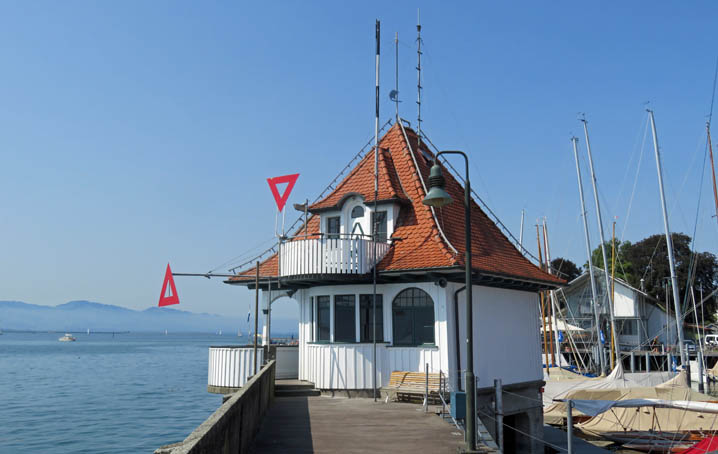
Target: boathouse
638, 316
327, 265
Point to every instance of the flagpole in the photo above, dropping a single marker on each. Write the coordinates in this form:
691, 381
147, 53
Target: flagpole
375, 214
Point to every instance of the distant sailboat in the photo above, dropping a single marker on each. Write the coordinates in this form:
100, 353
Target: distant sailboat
220, 332
88, 331
165, 332
239, 333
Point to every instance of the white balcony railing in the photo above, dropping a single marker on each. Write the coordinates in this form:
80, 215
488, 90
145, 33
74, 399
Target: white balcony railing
321, 254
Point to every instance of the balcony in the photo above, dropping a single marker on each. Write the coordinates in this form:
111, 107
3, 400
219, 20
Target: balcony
307, 255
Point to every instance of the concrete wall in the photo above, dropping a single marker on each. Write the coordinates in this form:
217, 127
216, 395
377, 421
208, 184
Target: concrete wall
232, 428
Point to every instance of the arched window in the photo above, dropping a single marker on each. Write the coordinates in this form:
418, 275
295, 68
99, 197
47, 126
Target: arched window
413, 318
358, 212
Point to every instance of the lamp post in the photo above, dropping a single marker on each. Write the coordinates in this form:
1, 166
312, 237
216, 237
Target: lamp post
437, 197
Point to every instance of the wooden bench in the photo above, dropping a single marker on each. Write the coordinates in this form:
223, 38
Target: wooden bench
408, 385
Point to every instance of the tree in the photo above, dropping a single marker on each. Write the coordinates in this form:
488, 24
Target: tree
624, 266
565, 268
649, 259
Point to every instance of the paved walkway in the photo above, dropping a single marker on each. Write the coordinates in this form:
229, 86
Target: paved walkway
332, 424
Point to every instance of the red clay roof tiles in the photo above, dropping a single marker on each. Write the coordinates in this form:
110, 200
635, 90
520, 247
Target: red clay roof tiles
420, 244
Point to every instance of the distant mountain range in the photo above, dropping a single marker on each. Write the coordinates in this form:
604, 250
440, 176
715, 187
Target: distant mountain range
81, 315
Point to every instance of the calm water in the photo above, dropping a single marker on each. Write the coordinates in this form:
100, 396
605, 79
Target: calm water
127, 394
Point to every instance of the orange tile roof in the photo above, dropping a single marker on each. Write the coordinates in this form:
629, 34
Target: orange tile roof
418, 241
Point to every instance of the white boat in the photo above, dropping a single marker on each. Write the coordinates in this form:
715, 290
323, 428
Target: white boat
67, 338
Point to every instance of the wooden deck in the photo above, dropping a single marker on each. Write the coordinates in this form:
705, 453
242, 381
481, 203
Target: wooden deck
330, 424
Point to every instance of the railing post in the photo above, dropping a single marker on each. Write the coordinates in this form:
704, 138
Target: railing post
648, 361
633, 361
499, 410
569, 426
700, 371
426, 388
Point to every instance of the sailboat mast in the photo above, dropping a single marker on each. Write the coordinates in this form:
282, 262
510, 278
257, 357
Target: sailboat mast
713, 169
609, 298
543, 306
602, 362
669, 245
552, 296
521, 233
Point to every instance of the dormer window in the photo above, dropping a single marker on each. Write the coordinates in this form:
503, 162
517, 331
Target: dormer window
333, 226
379, 222
358, 212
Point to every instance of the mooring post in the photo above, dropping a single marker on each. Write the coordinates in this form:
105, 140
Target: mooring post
499, 410
633, 361
569, 426
648, 362
700, 371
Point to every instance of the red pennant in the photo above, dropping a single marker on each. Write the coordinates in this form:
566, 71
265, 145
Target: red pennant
172, 298
273, 182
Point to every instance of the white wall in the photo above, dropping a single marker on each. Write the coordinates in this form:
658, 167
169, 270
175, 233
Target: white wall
624, 301
348, 366
506, 334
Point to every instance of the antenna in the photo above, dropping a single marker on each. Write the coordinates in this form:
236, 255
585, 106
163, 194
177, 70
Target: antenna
418, 69
396, 64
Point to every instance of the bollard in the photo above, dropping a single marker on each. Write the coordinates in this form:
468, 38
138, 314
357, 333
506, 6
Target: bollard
669, 360
633, 361
569, 426
499, 410
700, 372
648, 362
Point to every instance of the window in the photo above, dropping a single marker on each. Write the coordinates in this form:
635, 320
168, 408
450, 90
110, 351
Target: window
333, 227
366, 330
344, 318
358, 212
379, 222
629, 327
413, 318
323, 318
312, 327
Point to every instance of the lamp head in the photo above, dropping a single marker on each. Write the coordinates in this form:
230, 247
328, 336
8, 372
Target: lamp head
437, 197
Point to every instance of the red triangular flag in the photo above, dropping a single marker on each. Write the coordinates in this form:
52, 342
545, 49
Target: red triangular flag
172, 298
273, 182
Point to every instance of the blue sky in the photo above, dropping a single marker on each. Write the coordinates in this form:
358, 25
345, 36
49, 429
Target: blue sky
137, 133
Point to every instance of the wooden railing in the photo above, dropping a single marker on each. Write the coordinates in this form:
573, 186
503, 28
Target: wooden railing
329, 254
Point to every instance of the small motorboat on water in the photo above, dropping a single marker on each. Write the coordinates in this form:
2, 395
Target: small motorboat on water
67, 338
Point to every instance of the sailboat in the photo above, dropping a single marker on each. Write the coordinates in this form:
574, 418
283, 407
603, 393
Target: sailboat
239, 333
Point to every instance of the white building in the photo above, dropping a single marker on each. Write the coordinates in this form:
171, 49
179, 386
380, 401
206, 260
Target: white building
421, 303
638, 316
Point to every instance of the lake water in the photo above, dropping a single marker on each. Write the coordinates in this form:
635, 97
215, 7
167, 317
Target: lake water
130, 393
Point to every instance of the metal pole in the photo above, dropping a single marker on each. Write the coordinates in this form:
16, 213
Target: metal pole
669, 245
426, 387
700, 371
470, 396
569, 426
375, 214
396, 67
499, 392
609, 297
256, 311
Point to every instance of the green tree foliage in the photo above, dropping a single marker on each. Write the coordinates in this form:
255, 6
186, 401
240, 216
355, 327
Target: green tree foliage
565, 268
648, 260
624, 266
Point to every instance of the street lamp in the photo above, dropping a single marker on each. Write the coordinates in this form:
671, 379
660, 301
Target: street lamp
437, 197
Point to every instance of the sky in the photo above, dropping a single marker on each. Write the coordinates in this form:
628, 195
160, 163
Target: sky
133, 134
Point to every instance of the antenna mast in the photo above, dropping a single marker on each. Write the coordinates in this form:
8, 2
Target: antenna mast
418, 70
374, 214
396, 64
